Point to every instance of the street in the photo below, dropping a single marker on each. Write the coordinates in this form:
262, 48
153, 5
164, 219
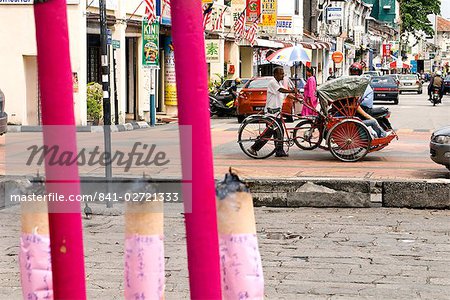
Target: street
307, 253
407, 158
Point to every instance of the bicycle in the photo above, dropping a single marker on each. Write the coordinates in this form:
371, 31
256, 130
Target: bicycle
307, 134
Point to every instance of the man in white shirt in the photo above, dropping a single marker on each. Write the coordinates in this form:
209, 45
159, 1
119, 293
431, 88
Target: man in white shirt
274, 103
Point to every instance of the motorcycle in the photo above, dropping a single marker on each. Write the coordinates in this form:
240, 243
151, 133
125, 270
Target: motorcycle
435, 96
222, 103
381, 114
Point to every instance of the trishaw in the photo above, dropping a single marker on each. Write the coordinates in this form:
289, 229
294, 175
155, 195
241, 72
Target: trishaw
346, 136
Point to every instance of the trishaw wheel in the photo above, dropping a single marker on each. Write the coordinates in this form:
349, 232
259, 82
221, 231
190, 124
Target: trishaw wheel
349, 141
307, 135
251, 131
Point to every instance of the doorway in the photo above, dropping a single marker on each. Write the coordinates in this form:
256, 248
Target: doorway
131, 108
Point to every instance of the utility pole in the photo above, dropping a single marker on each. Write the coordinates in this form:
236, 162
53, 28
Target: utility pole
106, 98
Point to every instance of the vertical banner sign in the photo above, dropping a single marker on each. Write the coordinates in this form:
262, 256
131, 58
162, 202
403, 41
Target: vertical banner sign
269, 16
386, 50
253, 10
237, 7
170, 89
150, 44
212, 50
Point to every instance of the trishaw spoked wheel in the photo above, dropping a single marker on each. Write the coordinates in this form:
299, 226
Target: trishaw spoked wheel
349, 141
307, 135
256, 132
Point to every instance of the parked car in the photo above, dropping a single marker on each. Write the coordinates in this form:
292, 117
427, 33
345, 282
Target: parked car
3, 115
447, 84
410, 83
252, 99
372, 73
440, 146
396, 78
384, 88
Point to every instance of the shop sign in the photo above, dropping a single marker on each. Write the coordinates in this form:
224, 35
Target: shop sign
237, 7
16, 1
269, 15
386, 50
170, 83
334, 13
212, 50
150, 44
284, 25
165, 12
31, 2
253, 10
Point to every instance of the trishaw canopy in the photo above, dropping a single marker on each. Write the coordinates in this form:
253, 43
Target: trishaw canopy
342, 88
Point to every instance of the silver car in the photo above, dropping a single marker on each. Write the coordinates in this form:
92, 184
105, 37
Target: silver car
440, 146
409, 83
3, 115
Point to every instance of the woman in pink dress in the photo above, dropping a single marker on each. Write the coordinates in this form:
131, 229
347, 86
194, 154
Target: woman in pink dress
309, 94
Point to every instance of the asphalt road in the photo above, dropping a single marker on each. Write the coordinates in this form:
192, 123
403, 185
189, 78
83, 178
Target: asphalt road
407, 158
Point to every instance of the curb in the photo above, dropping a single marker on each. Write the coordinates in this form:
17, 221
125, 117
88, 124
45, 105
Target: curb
114, 128
294, 193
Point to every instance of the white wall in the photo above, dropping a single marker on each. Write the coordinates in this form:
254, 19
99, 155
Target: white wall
17, 27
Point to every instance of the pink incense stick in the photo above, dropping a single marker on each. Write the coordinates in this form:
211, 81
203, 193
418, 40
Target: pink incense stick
55, 80
192, 91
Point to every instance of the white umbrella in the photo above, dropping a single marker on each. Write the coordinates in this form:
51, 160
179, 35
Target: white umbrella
289, 56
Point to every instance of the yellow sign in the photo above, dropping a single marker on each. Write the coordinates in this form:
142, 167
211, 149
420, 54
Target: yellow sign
269, 13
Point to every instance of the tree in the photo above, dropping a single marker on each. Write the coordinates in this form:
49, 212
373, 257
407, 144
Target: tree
414, 16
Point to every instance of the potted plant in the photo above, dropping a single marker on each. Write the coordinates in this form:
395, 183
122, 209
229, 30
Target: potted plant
94, 103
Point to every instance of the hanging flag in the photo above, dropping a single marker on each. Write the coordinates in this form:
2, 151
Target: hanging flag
218, 24
239, 25
250, 35
150, 11
207, 11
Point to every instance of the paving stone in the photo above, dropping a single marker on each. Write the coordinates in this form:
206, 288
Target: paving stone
307, 253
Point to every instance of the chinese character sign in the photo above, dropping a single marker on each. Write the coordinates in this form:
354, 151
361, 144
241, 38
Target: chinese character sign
269, 16
212, 50
237, 7
284, 25
253, 10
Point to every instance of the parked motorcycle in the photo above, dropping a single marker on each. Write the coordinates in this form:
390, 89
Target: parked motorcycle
222, 103
435, 96
381, 114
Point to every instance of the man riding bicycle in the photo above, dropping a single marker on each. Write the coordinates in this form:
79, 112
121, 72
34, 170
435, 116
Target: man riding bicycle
274, 102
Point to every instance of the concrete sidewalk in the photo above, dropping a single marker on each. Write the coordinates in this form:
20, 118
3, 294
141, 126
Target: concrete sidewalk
307, 253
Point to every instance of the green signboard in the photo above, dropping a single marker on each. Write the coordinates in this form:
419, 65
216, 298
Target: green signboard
150, 44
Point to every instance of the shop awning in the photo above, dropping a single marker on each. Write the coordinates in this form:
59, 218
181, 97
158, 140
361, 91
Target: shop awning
316, 45
399, 65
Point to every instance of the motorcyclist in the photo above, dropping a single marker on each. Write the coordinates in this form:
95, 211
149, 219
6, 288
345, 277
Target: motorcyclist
438, 83
356, 69
233, 88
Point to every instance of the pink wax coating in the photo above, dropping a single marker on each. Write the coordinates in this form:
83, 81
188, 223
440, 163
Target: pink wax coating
56, 89
144, 267
242, 275
35, 266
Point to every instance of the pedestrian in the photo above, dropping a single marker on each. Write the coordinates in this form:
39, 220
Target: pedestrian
274, 102
310, 94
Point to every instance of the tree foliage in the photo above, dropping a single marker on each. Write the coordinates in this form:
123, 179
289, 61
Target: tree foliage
413, 14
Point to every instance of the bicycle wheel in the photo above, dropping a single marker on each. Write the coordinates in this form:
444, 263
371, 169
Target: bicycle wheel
307, 135
252, 131
349, 141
